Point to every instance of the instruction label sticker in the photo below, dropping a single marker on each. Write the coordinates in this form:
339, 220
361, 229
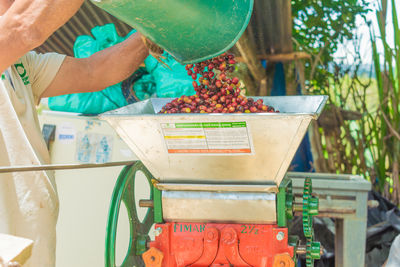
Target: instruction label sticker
208, 138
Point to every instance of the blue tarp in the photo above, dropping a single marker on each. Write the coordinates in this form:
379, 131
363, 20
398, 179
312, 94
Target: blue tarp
302, 161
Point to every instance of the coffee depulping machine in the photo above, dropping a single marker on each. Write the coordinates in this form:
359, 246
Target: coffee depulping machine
218, 192
219, 196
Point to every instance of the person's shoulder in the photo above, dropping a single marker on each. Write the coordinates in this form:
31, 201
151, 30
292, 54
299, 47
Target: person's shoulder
33, 55
37, 61
27, 59
30, 54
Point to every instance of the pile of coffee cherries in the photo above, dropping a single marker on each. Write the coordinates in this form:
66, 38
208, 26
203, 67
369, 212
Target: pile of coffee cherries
215, 91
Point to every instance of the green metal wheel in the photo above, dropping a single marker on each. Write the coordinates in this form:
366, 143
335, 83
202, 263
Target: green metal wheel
124, 191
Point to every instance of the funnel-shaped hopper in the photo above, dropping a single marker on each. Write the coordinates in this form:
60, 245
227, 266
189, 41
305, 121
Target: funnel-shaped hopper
218, 148
191, 31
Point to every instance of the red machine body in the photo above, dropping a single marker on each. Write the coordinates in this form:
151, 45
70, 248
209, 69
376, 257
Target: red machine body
209, 244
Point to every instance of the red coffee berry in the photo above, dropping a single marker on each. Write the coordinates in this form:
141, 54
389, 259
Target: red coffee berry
215, 95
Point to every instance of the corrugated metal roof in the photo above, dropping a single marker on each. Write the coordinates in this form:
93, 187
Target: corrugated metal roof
88, 16
270, 28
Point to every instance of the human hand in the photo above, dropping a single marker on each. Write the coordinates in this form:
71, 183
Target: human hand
155, 50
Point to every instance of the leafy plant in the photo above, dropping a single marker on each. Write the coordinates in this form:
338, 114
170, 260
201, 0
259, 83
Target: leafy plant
386, 128
319, 28
365, 140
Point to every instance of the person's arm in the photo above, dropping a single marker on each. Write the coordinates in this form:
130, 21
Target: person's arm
102, 69
28, 23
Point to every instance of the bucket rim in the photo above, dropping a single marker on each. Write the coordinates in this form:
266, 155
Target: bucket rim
230, 45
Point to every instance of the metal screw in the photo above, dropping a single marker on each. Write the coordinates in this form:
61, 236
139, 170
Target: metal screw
280, 236
158, 231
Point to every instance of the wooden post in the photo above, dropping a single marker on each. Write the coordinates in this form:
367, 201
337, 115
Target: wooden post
290, 77
248, 54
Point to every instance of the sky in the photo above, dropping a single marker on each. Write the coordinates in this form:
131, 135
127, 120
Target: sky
363, 30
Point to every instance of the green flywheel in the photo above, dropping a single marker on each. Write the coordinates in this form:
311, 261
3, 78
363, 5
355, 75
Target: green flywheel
124, 192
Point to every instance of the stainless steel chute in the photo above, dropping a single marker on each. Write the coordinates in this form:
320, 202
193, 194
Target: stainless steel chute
273, 140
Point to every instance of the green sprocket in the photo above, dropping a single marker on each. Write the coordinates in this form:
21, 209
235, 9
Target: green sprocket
310, 208
313, 250
307, 219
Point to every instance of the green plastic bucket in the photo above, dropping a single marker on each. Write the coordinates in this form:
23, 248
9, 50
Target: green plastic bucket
190, 30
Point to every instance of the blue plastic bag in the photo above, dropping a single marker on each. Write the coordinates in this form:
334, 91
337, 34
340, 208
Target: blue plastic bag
94, 102
172, 82
156, 81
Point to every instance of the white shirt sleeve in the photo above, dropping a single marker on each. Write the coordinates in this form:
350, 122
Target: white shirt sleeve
42, 70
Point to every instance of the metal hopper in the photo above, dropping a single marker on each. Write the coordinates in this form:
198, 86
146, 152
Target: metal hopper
216, 148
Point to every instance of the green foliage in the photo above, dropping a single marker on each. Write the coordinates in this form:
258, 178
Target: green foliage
319, 27
386, 136
370, 144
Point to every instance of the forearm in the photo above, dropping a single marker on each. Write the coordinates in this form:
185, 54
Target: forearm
27, 24
101, 70
116, 63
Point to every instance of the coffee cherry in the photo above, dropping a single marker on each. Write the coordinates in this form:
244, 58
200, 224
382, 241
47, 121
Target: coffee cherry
215, 93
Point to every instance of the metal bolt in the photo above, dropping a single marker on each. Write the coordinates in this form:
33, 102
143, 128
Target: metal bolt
280, 236
229, 236
301, 250
146, 203
158, 231
211, 234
